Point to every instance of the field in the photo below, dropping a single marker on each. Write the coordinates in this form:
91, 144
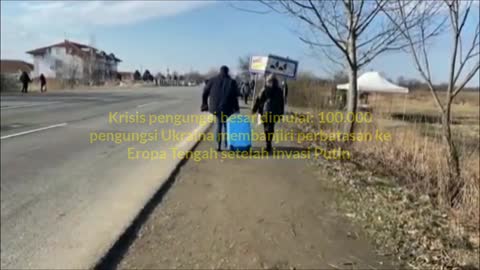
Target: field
416, 155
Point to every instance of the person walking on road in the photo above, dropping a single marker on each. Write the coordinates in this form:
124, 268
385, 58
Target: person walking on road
245, 92
43, 83
252, 87
270, 105
25, 80
220, 97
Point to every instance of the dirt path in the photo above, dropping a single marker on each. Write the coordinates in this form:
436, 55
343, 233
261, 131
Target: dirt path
269, 213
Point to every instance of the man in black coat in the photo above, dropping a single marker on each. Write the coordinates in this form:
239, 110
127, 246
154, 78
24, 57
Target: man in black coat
245, 92
252, 85
25, 80
220, 97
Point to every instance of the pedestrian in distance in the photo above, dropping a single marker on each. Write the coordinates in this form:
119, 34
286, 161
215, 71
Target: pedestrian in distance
240, 87
245, 92
252, 85
270, 105
43, 83
25, 80
220, 97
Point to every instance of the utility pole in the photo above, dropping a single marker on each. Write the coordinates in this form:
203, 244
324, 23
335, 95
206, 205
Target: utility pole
91, 59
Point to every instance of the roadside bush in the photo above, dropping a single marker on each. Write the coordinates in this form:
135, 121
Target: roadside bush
308, 91
8, 83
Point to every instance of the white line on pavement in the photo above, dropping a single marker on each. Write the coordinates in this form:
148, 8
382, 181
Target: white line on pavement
26, 106
32, 131
146, 104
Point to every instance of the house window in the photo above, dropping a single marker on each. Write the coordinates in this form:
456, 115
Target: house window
58, 64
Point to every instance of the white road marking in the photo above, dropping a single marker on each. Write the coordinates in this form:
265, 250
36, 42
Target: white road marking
26, 105
32, 131
146, 104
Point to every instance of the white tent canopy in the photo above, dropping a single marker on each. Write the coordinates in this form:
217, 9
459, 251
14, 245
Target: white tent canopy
374, 82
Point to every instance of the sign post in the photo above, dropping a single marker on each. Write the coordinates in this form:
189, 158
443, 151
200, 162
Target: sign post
273, 64
254, 89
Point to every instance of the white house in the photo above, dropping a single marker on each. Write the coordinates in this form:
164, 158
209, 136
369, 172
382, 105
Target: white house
73, 60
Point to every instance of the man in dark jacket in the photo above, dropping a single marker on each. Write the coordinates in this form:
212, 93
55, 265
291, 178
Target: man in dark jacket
25, 79
252, 85
245, 92
220, 97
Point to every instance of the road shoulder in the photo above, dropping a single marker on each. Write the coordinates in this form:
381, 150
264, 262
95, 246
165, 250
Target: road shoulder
250, 213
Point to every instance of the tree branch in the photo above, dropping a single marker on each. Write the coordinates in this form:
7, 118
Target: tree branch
363, 25
465, 16
316, 44
332, 59
231, 4
405, 31
326, 30
469, 76
470, 54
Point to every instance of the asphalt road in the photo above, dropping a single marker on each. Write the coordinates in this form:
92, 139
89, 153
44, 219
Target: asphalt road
64, 200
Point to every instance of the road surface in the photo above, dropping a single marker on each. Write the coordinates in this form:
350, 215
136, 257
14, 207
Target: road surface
64, 200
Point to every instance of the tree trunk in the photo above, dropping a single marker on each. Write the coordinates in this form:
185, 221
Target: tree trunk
353, 69
454, 185
352, 97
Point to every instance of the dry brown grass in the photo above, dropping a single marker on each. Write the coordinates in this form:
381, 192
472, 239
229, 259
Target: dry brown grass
416, 155
418, 147
310, 94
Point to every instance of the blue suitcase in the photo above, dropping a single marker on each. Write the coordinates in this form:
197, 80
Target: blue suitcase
239, 133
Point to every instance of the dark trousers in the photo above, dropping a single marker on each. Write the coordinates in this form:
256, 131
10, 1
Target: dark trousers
24, 87
245, 98
269, 129
221, 124
43, 87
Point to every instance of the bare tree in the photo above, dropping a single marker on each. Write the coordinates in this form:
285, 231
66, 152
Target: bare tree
340, 77
243, 67
212, 72
70, 73
91, 61
89, 66
463, 63
194, 76
350, 33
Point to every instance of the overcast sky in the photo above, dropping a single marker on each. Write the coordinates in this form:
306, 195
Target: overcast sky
181, 35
